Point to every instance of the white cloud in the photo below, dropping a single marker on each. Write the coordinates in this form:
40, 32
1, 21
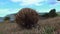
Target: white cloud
37, 4
15, 0
29, 2
4, 12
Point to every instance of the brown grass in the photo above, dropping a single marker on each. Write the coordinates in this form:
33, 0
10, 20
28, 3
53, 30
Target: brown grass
12, 28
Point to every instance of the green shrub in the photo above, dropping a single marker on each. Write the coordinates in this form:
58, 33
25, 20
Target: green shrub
48, 30
52, 13
45, 15
7, 18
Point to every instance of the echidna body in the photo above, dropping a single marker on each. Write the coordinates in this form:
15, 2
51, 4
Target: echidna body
27, 17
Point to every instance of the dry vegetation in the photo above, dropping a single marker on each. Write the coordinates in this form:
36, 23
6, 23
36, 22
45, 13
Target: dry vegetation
46, 26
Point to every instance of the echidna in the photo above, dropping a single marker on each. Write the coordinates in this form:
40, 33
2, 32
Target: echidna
27, 18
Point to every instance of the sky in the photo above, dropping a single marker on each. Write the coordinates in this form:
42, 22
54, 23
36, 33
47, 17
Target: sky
41, 6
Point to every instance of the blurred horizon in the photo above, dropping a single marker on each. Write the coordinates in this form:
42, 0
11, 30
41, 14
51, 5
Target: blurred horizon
41, 6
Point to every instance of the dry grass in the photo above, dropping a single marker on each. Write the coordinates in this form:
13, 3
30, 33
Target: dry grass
47, 26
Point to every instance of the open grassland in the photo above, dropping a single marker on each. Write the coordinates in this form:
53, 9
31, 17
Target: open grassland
46, 26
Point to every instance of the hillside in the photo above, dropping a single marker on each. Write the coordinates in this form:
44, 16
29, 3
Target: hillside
12, 17
58, 13
1, 19
12, 28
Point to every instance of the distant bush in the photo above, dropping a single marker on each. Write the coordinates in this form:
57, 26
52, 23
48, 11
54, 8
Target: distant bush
45, 15
52, 13
7, 18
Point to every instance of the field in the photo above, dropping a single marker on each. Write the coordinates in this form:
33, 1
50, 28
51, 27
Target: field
46, 26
